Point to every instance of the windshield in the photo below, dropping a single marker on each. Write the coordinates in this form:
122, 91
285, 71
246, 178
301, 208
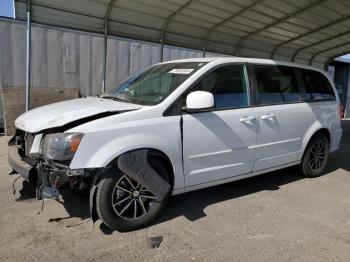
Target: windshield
151, 86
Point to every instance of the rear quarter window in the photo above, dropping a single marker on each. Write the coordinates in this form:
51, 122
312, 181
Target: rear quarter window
317, 86
276, 84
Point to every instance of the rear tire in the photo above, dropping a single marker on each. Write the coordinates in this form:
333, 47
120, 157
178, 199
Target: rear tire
315, 157
112, 197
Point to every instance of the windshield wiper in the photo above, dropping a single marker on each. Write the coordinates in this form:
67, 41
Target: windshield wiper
114, 98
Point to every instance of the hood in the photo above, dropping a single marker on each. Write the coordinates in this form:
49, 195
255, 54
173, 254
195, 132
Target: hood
62, 113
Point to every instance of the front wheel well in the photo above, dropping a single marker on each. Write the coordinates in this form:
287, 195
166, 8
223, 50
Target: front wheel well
159, 156
165, 161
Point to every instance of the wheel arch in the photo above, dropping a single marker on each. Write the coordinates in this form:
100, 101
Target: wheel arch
325, 132
155, 154
165, 160
312, 132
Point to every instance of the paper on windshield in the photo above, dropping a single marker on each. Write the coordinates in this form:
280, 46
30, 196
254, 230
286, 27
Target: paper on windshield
181, 71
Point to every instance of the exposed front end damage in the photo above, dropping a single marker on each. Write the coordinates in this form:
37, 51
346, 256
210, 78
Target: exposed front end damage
50, 176
53, 177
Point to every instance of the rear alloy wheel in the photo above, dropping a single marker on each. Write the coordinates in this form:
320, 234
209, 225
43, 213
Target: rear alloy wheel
123, 204
316, 156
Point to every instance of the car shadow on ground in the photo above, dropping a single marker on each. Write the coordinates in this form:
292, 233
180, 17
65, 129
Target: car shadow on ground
191, 205
75, 205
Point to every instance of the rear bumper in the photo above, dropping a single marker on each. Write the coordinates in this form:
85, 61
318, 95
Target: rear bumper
17, 164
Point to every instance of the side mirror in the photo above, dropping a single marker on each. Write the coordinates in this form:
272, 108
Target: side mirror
198, 101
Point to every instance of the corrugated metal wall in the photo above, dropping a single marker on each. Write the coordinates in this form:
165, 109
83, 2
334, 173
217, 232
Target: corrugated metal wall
71, 59
66, 59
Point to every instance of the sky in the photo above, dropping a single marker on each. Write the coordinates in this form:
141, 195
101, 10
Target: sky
346, 56
6, 8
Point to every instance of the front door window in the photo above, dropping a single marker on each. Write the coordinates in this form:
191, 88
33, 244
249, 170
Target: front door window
228, 85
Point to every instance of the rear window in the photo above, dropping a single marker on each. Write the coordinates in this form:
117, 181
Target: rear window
317, 86
277, 84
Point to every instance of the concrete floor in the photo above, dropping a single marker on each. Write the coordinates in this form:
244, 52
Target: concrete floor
278, 216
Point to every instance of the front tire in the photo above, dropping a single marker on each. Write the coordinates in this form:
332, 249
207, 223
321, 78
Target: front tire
316, 156
123, 204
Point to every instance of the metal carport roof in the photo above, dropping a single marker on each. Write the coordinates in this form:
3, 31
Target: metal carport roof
305, 31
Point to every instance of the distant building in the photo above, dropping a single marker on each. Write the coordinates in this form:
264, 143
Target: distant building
339, 70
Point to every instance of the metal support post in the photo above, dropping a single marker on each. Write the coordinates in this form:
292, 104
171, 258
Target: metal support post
28, 57
204, 47
104, 63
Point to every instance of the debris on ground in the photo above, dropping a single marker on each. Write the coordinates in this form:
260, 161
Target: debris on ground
154, 242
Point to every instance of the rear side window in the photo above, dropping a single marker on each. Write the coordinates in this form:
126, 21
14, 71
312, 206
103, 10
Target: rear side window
276, 84
229, 86
317, 86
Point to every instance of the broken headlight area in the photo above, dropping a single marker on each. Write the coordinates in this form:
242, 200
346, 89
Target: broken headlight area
58, 150
61, 146
44, 159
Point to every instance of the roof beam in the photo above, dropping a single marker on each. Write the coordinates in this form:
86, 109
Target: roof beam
61, 10
168, 19
327, 50
318, 43
279, 21
344, 18
244, 9
166, 23
109, 10
92, 16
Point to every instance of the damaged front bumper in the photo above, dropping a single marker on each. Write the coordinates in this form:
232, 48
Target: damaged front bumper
17, 163
48, 177
30, 173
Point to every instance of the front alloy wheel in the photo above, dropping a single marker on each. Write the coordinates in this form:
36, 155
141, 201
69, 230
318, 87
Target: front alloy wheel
130, 200
123, 204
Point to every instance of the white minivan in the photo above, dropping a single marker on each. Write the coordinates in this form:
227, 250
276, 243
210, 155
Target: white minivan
175, 127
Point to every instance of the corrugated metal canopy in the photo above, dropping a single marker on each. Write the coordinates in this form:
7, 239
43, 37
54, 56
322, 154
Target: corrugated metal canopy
304, 31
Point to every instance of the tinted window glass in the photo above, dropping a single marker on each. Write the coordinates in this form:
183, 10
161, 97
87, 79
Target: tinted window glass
228, 85
317, 86
277, 84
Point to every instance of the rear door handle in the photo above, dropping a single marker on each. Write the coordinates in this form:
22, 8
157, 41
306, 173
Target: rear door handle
267, 116
247, 118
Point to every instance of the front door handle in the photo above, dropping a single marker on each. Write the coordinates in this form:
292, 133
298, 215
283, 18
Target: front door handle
267, 116
247, 118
